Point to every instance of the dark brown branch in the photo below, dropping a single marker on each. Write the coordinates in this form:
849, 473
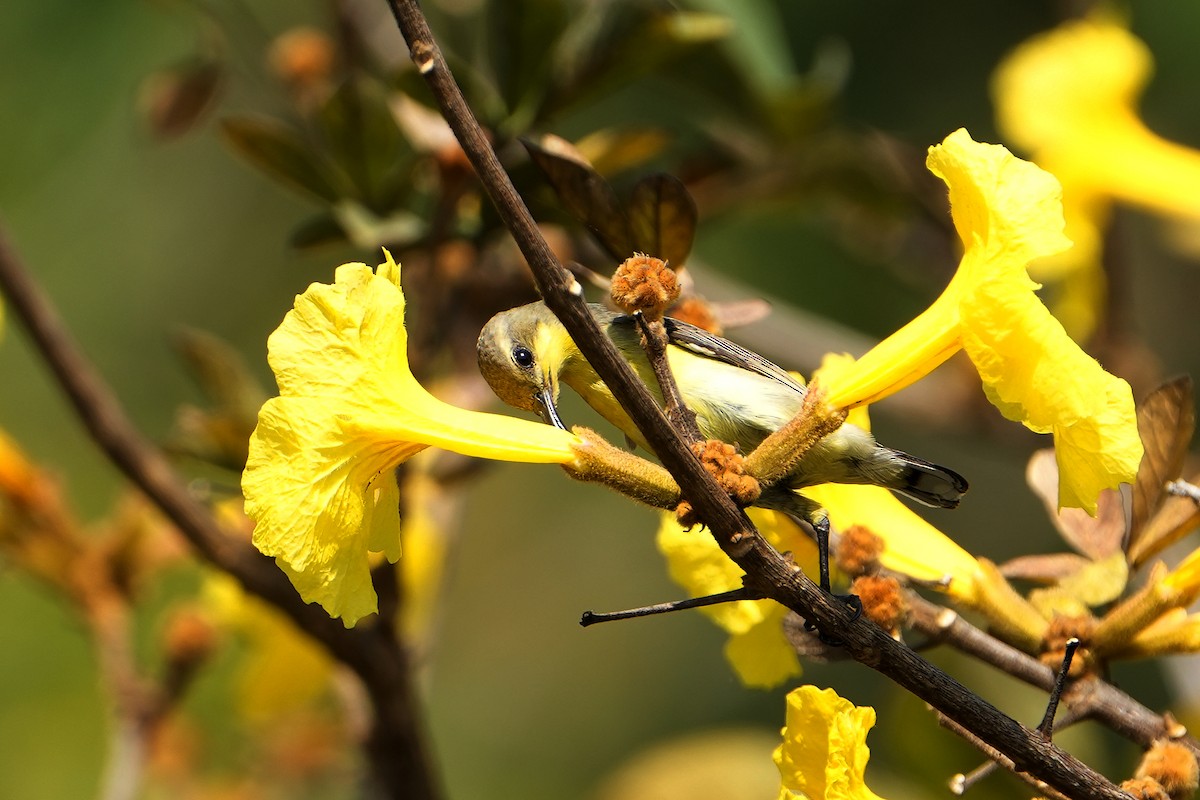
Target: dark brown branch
766, 571
655, 343
400, 765
1090, 698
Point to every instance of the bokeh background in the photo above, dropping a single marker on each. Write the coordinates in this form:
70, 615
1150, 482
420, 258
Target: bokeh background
134, 237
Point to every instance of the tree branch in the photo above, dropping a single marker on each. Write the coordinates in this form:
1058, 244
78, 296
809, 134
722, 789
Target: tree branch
400, 765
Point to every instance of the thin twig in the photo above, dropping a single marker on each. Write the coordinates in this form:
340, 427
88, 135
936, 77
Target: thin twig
732, 596
399, 763
1046, 726
655, 342
1002, 760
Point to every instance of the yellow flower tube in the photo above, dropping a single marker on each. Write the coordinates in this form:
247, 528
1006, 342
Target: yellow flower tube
1008, 212
318, 479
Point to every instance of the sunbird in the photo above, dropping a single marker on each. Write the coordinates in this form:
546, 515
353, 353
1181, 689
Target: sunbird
739, 397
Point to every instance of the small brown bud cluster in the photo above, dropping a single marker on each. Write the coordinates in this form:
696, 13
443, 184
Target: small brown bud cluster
725, 464
1054, 644
858, 551
644, 283
189, 638
1171, 767
882, 600
302, 57
1145, 789
695, 311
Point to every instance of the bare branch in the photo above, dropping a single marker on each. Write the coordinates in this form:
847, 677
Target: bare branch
401, 767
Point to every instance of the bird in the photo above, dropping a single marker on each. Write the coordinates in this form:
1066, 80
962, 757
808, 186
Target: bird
526, 355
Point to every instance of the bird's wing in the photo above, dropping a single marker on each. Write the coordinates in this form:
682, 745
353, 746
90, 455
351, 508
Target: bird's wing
702, 343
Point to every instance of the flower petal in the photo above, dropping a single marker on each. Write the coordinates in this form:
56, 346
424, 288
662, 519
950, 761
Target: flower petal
318, 479
1035, 374
757, 648
824, 752
762, 656
913, 546
1007, 211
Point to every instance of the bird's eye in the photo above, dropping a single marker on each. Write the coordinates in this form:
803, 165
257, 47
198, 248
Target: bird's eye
523, 357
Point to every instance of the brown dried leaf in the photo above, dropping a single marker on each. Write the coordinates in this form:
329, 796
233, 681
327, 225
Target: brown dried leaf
1046, 568
1166, 422
1096, 537
662, 216
174, 100
584, 193
736, 313
1176, 517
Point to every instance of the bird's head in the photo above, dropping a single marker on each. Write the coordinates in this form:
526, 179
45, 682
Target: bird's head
521, 352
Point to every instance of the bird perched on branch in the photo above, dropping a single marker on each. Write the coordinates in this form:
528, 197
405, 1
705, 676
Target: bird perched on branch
739, 397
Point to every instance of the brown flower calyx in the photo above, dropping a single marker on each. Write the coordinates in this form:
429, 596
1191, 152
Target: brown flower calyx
646, 284
1172, 766
882, 600
724, 463
696, 311
858, 551
1145, 789
1060, 630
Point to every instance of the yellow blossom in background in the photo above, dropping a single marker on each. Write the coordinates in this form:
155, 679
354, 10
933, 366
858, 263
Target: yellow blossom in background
824, 751
282, 669
1008, 213
757, 648
1069, 98
318, 480
430, 514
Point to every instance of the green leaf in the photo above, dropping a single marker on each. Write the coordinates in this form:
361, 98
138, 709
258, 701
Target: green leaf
367, 231
317, 231
611, 45
364, 140
280, 152
662, 216
520, 42
584, 193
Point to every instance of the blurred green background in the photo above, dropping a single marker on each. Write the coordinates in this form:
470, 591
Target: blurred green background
133, 238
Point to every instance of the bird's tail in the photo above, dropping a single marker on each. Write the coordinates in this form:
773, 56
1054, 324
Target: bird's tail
928, 483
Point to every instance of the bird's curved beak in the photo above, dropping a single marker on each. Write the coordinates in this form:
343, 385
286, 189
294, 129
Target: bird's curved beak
546, 410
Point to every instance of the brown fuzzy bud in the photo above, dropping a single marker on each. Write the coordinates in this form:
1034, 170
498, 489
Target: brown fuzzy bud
302, 56
858, 551
1145, 789
685, 515
189, 637
644, 283
1172, 766
1054, 644
882, 600
695, 311
725, 464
